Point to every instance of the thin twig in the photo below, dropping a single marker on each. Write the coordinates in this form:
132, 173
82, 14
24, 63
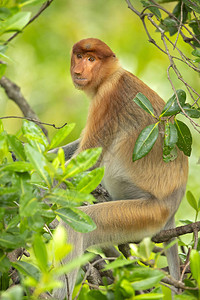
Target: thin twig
35, 121
43, 7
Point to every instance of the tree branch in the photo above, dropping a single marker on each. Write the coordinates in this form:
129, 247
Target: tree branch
13, 92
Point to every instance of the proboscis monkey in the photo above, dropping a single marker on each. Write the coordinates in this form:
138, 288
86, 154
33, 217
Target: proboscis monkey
146, 193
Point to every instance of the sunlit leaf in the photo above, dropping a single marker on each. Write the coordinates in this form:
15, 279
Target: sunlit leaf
195, 265
40, 252
15, 22
39, 162
77, 219
192, 201
82, 162
145, 278
16, 146
60, 135
90, 181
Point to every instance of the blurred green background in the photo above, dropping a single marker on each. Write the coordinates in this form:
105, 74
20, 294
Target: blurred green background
41, 59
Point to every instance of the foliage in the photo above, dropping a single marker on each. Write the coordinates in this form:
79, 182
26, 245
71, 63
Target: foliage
175, 134
32, 196
25, 213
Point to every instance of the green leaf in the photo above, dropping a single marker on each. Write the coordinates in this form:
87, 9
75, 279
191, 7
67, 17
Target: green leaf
192, 201
144, 103
145, 278
153, 9
17, 166
60, 135
90, 181
118, 263
15, 22
191, 111
150, 296
31, 2
195, 265
2, 69
40, 252
34, 133
77, 219
39, 162
171, 136
15, 292
145, 248
75, 263
145, 141
1, 126
69, 197
171, 107
170, 140
126, 288
16, 146
82, 162
196, 52
184, 137
27, 269
11, 241
194, 5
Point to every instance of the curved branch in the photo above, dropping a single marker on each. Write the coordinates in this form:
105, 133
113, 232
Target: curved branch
13, 92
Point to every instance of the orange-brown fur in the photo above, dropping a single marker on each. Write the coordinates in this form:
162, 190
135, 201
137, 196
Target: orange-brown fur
148, 191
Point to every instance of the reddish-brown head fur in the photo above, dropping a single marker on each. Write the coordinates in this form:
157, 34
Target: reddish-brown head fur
92, 62
93, 46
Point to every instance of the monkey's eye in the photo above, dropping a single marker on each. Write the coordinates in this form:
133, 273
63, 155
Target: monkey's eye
91, 58
78, 55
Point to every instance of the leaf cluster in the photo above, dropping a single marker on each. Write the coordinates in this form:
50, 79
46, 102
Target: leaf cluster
176, 132
35, 189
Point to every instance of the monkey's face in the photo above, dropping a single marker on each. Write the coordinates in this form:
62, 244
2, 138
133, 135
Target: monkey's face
84, 68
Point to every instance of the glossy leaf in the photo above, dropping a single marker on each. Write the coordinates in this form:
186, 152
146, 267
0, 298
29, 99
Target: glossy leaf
60, 135
171, 107
184, 137
191, 112
16, 146
34, 133
90, 181
39, 162
145, 141
77, 219
82, 162
144, 103
170, 140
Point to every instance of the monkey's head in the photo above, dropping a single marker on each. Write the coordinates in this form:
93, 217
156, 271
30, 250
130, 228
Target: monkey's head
92, 61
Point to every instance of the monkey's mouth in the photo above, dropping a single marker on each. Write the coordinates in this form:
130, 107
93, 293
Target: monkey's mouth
80, 80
